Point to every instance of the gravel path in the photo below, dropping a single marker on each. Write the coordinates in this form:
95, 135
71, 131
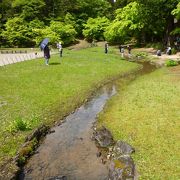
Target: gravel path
6, 59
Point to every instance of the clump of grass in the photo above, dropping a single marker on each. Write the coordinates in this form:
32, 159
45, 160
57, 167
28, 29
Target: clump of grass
19, 124
171, 62
141, 54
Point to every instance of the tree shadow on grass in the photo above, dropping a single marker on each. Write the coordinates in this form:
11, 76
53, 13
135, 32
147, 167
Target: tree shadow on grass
54, 63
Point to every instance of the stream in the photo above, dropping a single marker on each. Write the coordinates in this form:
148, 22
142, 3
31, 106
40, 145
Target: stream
69, 153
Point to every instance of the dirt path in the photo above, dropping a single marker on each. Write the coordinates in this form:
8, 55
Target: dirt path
159, 59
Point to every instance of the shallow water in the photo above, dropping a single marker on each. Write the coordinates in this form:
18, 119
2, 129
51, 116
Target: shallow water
69, 153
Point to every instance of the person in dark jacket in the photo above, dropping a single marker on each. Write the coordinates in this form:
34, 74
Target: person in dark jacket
106, 48
129, 51
46, 54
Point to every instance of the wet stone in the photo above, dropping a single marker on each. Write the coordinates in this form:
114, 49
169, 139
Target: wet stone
51, 131
38, 133
58, 178
122, 168
122, 147
98, 154
103, 137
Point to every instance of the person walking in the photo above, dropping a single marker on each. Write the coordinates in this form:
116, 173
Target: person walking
106, 48
59, 46
121, 50
46, 54
129, 51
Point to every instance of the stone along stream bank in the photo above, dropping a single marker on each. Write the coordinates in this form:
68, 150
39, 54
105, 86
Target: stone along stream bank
70, 152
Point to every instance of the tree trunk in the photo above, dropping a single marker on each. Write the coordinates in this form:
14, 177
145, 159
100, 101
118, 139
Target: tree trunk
168, 39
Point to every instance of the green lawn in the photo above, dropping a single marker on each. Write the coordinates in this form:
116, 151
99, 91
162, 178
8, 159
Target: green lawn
146, 115
32, 93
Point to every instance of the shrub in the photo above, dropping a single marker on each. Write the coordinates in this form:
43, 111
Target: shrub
18, 124
21, 124
140, 54
95, 28
171, 63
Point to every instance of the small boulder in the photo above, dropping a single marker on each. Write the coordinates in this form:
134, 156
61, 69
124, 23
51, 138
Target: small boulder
122, 168
122, 147
103, 137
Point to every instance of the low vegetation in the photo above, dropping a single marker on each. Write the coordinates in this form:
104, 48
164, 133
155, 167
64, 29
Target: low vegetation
171, 62
146, 115
32, 94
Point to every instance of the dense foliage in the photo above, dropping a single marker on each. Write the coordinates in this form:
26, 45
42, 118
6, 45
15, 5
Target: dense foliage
95, 28
26, 22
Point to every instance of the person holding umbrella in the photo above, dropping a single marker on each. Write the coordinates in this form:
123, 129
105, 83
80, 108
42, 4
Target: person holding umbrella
46, 54
45, 48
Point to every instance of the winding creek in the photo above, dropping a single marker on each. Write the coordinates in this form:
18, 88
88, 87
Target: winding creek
69, 153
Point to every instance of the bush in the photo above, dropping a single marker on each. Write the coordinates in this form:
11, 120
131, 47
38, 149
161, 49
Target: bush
21, 125
155, 45
171, 63
140, 54
95, 28
18, 124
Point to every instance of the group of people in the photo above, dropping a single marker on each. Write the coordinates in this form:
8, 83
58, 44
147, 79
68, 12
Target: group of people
121, 49
168, 51
47, 52
59, 46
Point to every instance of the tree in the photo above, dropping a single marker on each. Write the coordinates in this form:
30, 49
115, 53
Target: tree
128, 23
94, 28
159, 19
15, 32
176, 13
65, 32
29, 9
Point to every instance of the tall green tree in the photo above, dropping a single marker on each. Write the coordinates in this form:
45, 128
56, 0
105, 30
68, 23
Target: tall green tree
15, 32
159, 18
128, 23
95, 28
29, 9
176, 13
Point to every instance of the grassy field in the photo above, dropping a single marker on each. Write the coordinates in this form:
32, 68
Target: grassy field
146, 115
32, 94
